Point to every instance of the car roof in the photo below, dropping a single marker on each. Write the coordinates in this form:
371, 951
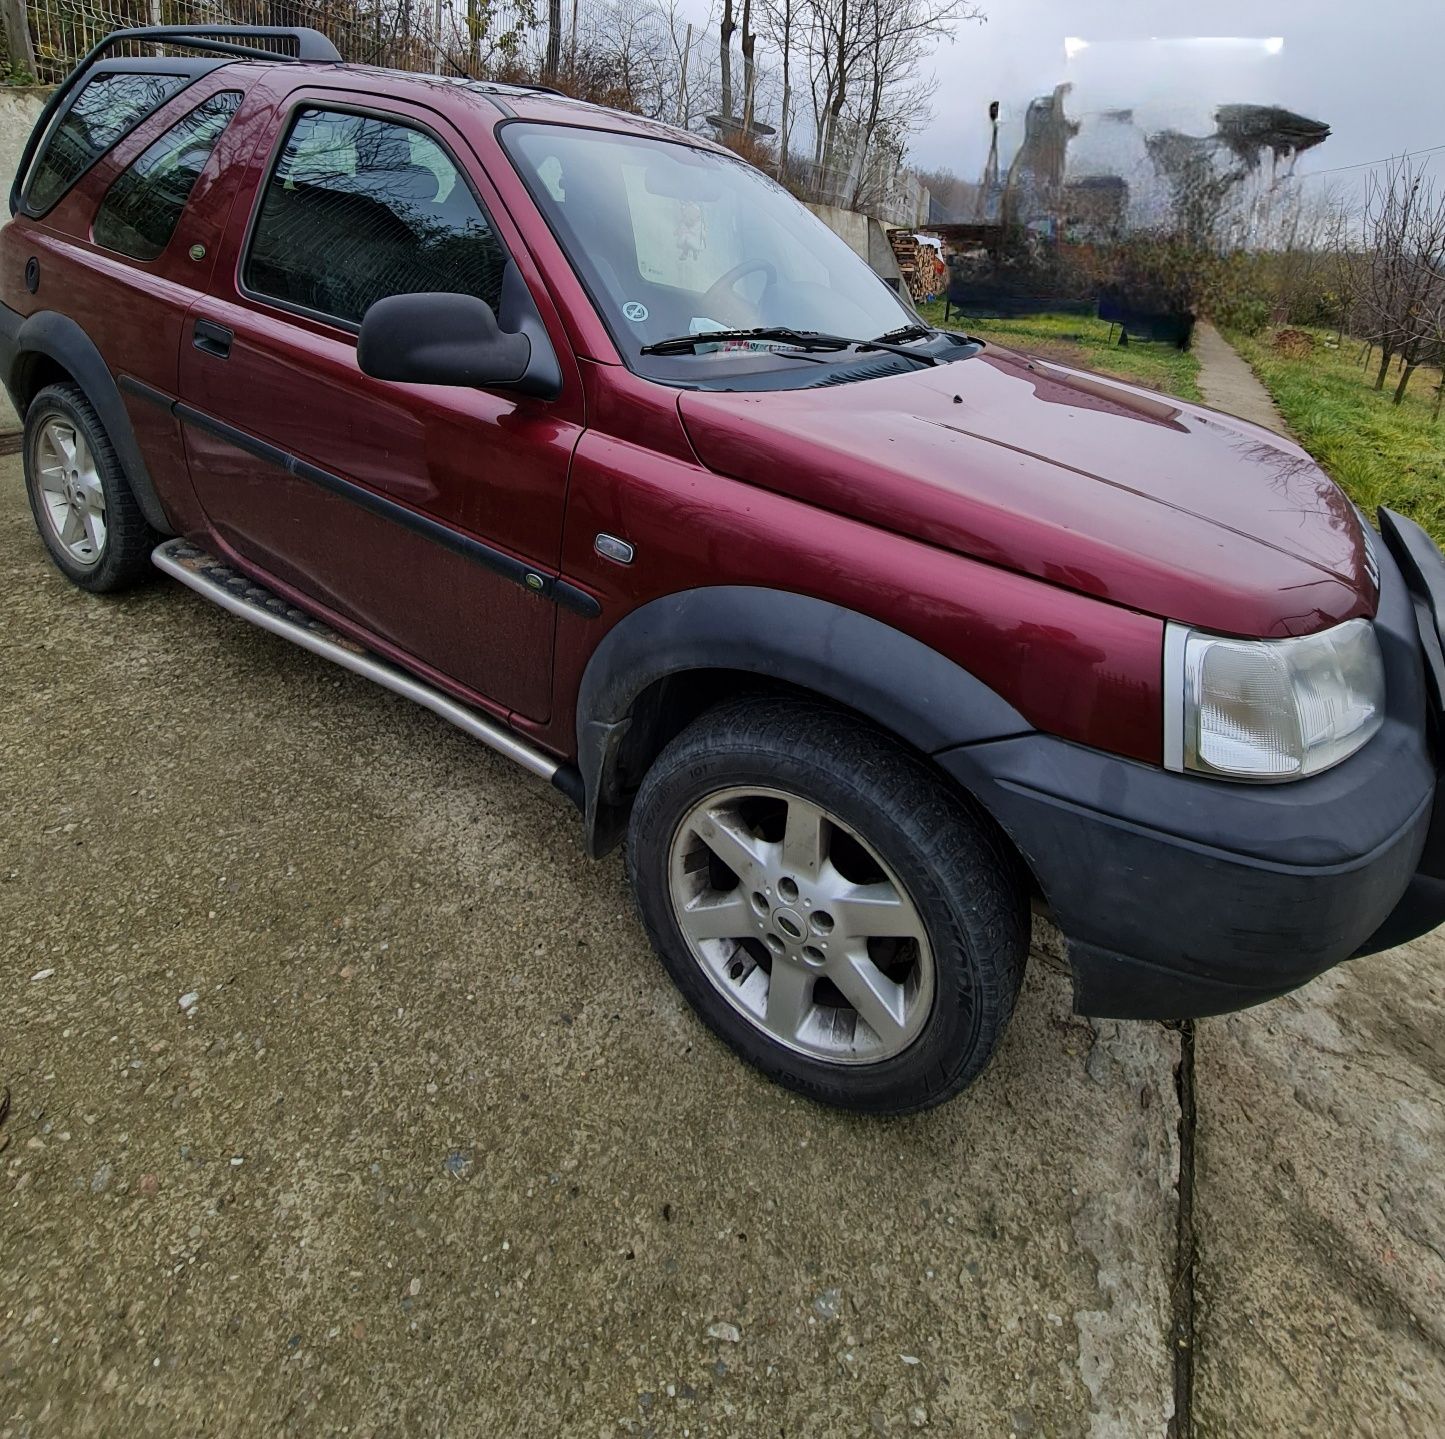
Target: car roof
459, 95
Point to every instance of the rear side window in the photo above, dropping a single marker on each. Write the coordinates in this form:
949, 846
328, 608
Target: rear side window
141, 209
107, 108
358, 208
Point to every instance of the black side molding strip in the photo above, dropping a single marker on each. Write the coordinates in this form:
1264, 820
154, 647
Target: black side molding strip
549, 587
143, 391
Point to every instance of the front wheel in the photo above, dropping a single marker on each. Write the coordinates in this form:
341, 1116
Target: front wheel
829, 907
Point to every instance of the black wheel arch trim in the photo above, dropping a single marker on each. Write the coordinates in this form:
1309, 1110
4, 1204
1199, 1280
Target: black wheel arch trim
1180, 895
903, 685
58, 338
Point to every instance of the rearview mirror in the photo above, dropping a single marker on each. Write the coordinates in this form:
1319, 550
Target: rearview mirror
439, 339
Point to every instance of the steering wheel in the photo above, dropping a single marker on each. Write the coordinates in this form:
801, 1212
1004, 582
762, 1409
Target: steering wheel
720, 294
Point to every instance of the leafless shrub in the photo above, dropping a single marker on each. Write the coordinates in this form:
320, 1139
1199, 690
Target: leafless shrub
1399, 281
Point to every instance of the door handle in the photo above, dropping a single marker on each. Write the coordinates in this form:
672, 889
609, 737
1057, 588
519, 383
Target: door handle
212, 339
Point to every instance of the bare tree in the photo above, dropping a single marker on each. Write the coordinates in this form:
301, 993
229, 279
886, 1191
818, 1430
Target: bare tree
780, 23
1435, 323
1401, 271
17, 38
1432, 322
727, 28
1341, 265
554, 41
863, 61
892, 98
750, 75
834, 46
696, 83
625, 56
1306, 272
956, 198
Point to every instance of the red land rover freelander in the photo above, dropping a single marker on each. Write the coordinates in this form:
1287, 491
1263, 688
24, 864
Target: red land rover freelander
584, 434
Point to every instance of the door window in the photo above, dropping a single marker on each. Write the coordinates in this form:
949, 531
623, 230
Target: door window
141, 209
358, 208
107, 108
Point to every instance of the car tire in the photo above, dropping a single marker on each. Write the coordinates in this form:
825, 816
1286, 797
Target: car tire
87, 516
883, 917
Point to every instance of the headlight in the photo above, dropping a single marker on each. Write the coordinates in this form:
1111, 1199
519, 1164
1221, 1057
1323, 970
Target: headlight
1270, 709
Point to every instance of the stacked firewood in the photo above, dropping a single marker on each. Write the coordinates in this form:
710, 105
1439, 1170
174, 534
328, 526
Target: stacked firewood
923, 269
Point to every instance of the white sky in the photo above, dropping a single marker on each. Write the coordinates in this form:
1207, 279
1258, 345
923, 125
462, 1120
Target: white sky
1375, 72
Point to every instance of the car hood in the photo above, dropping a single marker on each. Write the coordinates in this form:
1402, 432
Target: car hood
1083, 481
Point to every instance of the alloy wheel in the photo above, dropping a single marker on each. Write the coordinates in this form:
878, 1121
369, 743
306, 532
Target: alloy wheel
72, 497
801, 925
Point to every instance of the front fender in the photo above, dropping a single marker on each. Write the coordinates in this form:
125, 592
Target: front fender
893, 679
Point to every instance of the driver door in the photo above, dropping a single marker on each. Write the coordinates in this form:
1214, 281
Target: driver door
417, 512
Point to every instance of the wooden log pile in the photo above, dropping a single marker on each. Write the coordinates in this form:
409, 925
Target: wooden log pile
923, 269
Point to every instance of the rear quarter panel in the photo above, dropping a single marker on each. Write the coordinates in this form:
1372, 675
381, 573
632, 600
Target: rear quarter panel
132, 310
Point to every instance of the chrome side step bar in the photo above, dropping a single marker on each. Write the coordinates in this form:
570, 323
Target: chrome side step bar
242, 596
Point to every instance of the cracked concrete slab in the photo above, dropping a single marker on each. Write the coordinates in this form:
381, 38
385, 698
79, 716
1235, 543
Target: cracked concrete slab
1320, 1207
346, 1092
1319, 1187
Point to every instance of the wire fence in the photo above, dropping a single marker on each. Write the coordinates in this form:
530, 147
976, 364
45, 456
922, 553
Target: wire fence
882, 187
632, 56
466, 37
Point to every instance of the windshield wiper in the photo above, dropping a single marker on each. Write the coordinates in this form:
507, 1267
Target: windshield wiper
920, 331
801, 339
915, 331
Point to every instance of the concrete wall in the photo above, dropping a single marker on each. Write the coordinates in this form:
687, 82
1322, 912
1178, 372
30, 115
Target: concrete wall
866, 237
847, 225
19, 110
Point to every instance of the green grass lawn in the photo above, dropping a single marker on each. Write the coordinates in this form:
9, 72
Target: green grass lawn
1381, 455
1084, 341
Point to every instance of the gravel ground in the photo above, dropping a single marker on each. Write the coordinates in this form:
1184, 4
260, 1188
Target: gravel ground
346, 1097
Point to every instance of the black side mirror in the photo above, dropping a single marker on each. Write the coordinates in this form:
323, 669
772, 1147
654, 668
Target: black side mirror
440, 339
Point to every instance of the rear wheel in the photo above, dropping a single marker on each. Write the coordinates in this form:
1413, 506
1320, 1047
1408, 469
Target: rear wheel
836, 914
83, 506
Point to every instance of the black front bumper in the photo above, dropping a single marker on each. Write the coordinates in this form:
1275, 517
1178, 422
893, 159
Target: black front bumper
1182, 896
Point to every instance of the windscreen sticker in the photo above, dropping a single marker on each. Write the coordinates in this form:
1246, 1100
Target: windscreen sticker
635, 311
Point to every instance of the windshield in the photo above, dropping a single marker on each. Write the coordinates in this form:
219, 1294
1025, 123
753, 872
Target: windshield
671, 240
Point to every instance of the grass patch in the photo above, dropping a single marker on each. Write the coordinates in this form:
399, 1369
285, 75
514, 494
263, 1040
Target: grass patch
1084, 341
1379, 454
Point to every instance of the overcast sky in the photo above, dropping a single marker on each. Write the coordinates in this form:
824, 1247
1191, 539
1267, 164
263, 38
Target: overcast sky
1374, 72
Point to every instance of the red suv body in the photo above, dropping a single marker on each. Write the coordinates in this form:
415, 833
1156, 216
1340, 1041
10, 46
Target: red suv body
425, 363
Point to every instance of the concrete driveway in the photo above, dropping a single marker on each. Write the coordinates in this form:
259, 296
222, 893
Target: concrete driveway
346, 1097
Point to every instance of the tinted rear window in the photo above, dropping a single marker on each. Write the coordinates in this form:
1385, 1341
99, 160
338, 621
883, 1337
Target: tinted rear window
139, 213
107, 108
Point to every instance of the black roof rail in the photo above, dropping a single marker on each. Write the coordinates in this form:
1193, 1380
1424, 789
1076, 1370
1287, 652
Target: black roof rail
490, 87
311, 45
508, 87
228, 40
